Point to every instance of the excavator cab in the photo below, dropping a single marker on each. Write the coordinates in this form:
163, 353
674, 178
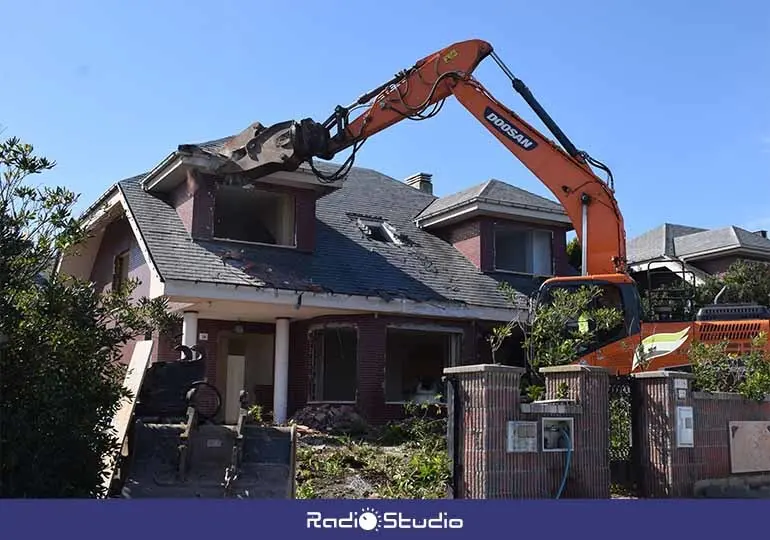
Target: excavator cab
616, 291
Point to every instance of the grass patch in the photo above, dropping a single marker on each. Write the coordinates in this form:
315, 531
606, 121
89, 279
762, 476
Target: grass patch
407, 459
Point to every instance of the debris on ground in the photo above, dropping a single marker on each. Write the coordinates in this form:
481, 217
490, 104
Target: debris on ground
340, 457
330, 418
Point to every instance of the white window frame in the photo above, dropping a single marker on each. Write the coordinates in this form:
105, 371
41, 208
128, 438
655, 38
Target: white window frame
529, 230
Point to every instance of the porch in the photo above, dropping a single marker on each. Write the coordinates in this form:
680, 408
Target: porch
377, 364
290, 349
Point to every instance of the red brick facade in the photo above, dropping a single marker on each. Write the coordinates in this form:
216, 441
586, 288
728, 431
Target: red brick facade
718, 265
372, 332
474, 238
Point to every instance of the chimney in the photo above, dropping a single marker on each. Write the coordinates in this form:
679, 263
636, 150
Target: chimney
421, 181
763, 234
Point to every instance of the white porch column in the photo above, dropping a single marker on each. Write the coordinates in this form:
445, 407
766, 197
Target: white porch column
281, 371
189, 328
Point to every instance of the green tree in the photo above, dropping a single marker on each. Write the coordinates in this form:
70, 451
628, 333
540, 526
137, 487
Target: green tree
575, 254
553, 335
60, 383
746, 282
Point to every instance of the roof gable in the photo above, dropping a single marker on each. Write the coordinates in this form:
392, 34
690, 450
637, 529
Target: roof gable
494, 192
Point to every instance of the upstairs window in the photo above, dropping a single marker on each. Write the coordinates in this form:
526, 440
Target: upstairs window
254, 216
120, 270
527, 251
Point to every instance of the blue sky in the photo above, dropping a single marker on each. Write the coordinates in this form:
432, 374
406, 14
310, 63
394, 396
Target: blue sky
673, 96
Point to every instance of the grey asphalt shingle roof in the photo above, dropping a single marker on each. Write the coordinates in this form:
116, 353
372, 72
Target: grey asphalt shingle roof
345, 262
720, 239
682, 241
494, 191
657, 242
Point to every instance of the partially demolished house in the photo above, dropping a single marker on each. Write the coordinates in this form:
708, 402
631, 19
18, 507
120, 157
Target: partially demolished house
301, 291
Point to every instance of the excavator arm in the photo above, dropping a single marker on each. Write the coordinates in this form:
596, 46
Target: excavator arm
418, 93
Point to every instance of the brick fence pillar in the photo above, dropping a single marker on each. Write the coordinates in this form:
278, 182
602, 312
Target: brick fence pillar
666, 468
589, 387
482, 398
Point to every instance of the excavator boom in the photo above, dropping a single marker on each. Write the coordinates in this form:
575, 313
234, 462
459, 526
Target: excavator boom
418, 93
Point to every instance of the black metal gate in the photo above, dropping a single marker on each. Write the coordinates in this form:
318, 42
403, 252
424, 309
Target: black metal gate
625, 473
455, 441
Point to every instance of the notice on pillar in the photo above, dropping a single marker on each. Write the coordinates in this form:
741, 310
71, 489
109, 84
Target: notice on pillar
522, 436
749, 447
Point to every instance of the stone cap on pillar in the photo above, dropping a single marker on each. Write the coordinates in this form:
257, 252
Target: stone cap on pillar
572, 368
663, 375
484, 368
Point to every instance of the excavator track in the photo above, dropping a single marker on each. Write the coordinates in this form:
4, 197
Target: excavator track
214, 461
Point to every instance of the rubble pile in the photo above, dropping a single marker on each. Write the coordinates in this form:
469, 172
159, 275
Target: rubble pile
330, 418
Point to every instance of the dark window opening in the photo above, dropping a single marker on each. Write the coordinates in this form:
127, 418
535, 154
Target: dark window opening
376, 232
415, 362
253, 215
334, 364
379, 231
120, 270
528, 251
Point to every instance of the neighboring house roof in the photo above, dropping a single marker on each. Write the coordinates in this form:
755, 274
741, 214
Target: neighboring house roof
683, 242
657, 242
495, 192
344, 261
720, 240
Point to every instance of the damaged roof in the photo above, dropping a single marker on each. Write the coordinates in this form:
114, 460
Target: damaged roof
682, 241
345, 261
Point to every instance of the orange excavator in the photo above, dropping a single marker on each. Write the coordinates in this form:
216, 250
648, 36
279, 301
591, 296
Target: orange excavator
589, 201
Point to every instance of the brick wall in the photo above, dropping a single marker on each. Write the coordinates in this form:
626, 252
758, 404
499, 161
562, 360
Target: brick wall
372, 334
666, 469
194, 202
371, 355
486, 397
467, 238
474, 238
721, 264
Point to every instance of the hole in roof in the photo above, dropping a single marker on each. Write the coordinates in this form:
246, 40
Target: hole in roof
376, 232
379, 231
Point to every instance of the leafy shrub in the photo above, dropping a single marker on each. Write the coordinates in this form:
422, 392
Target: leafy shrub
717, 370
